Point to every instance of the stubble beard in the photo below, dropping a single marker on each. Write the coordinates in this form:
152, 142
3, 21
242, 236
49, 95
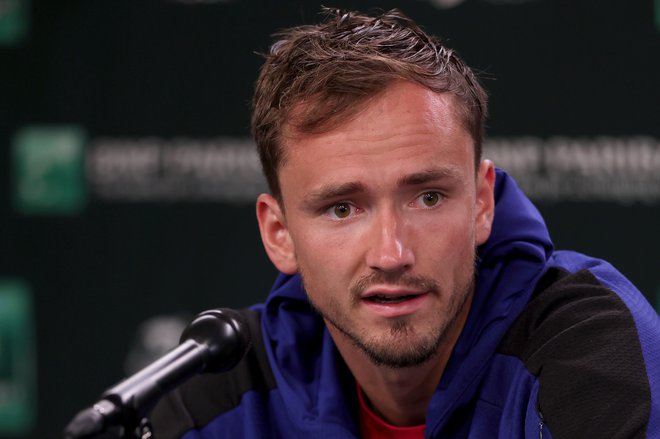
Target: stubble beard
401, 345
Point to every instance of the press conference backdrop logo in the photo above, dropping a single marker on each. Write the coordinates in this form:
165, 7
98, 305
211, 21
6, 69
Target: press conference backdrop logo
14, 21
17, 359
609, 169
48, 170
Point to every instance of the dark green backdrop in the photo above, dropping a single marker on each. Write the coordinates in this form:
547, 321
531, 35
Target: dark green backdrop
137, 69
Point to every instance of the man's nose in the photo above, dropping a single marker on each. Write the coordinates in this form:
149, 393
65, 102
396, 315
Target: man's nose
389, 246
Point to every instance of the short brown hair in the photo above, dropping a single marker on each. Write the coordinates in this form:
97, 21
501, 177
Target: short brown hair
333, 67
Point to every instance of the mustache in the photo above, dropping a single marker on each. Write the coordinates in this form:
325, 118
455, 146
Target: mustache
392, 278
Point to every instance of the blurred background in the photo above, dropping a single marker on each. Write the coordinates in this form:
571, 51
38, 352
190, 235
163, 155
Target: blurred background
127, 175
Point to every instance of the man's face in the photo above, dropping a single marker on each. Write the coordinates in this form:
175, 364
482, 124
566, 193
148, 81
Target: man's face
382, 216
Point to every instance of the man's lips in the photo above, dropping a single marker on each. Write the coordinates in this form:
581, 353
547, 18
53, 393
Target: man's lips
390, 295
392, 301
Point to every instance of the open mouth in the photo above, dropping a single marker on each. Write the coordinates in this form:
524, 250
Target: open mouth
390, 304
385, 299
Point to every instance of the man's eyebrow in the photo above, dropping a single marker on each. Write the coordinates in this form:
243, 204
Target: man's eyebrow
430, 175
333, 191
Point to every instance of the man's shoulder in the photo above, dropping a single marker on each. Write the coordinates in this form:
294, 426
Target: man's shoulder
205, 397
580, 336
564, 305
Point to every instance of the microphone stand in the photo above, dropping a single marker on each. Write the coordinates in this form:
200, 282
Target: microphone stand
214, 342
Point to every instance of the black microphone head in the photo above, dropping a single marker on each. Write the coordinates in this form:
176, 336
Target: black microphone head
225, 334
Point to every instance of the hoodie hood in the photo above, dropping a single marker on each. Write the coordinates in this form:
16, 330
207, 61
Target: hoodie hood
314, 381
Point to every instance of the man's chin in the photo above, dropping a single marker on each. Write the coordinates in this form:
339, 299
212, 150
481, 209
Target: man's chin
398, 346
399, 353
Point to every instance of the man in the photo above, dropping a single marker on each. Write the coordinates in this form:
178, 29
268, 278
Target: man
420, 295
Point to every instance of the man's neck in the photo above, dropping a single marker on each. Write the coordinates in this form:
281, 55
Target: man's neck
399, 396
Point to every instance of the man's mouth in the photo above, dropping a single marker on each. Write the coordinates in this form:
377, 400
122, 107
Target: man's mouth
389, 302
389, 299
382, 297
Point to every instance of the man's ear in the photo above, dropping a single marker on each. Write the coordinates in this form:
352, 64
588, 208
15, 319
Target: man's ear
485, 201
275, 235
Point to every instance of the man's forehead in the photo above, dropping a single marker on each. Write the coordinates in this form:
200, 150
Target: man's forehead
411, 136
314, 116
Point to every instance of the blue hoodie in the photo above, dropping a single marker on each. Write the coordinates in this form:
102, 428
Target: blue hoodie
507, 374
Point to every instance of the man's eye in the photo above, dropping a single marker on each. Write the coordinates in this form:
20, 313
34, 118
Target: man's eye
430, 199
341, 210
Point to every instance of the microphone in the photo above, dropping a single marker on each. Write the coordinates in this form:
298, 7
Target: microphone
215, 341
